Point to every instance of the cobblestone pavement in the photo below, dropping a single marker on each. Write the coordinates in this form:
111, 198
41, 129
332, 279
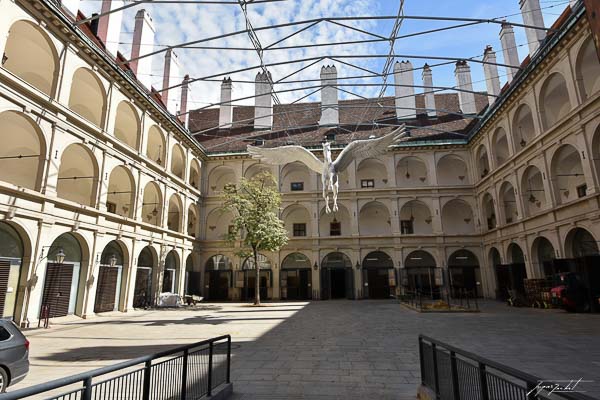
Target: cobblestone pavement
327, 350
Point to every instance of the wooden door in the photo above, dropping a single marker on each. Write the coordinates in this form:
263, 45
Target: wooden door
57, 289
143, 288
106, 290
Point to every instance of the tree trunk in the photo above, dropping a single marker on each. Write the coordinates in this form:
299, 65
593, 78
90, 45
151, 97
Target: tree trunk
257, 280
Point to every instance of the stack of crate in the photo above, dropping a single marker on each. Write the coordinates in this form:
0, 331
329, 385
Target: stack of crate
537, 292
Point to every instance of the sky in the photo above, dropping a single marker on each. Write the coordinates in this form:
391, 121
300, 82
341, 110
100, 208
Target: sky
180, 23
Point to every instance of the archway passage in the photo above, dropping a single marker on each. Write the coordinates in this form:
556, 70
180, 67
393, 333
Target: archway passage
218, 277
510, 277
379, 276
296, 277
169, 284
249, 277
61, 283
22, 150
108, 290
337, 278
142, 293
583, 281
193, 285
421, 275
11, 259
581, 243
545, 255
464, 274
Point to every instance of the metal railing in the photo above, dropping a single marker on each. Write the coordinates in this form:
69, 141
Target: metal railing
184, 373
454, 374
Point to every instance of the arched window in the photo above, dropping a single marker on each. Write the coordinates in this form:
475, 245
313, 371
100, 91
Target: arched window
219, 178
335, 223
177, 161
174, 218
156, 149
297, 220
588, 69
219, 262
108, 290
567, 174
152, 204
532, 191
483, 163
192, 222
295, 177
415, 218
457, 218
87, 97
508, 201
31, 55
295, 261
371, 173
501, 149
121, 192
452, 170
580, 243
77, 175
523, 127
411, 172
263, 262
127, 125
554, 100
374, 219
22, 151
489, 211
11, 260
195, 174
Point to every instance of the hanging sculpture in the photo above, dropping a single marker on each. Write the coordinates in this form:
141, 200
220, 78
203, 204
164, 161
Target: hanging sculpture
328, 168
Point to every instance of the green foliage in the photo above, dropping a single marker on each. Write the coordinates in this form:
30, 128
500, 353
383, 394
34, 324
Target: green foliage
255, 204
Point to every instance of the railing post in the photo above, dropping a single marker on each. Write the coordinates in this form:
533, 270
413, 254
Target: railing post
210, 367
422, 361
454, 374
229, 359
435, 371
87, 391
483, 382
184, 374
147, 378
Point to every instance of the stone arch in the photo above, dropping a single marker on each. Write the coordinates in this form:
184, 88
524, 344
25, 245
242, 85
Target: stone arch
30, 54
543, 254
489, 211
501, 148
371, 170
523, 127
554, 100
411, 171
464, 273
156, 148
121, 192
220, 177
508, 201
145, 278
374, 219
452, 170
295, 177
170, 281
114, 262
178, 161
175, 209
415, 218
152, 204
87, 97
595, 151
217, 224
335, 223
23, 150
15, 246
457, 217
587, 69
494, 257
294, 215
419, 259
483, 162
78, 175
255, 169
567, 174
218, 262
514, 254
263, 262
192, 220
127, 125
194, 179
579, 242
532, 191
336, 260
295, 260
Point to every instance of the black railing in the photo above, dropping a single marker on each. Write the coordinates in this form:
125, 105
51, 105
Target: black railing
454, 374
184, 373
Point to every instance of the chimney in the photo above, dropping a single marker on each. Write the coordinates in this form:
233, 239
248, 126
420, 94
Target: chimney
532, 15
225, 109
572, 4
109, 26
428, 91
509, 50
490, 70
406, 107
143, 43
329, 97
71, 6
463, 81
185, 87
263, 108
170, 76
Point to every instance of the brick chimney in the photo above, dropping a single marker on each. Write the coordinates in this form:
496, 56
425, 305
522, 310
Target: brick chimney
406, 107
463, 81
490, 70
170, 77
263, 107
532, 15
226, 109
185, 87
509, 49
143, 43
427, 77
109, 26
329, 96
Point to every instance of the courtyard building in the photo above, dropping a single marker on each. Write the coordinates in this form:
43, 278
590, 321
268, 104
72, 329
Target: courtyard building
110, 189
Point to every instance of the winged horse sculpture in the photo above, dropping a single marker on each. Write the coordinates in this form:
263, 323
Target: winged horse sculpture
328, 168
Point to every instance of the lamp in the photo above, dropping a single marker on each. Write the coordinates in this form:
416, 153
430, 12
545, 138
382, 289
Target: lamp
60, 256
315, 267
4, 58
158, 160
357, 266
532, 198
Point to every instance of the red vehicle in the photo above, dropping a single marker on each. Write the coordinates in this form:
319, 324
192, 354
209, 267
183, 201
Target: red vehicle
571, 293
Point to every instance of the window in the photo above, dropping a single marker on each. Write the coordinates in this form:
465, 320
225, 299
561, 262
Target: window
367, 183
111, 207
491, 222
330, 137
299, 229
231, 229
581, 191
335, 229
297, 186
4, 334
406, 227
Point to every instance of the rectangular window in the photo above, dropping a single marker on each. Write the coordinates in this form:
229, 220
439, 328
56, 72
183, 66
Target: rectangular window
581, 191
299, 229
335, 229
111, 207
406, 227
297, 186
367, 183
231, 229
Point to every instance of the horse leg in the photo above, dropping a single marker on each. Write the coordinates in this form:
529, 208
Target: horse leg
335, 188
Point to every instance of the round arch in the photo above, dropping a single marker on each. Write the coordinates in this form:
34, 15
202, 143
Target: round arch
296, 277
567, 174
178, 161
508, 201
87, 97
121, 192
374, 219
296, 220
579, 242
217, 224
501, 148
295, 261
532, 191
464, 274
78, 175
220, 177
23, 150
156, 148
371, 170
110, 277
192, 220
420, 274
337, 277
336, 260
12, 250
145, 277
218, 272
415, 218
295, 177
587, 69
127, 125
194, 179
256, 169
483, 162
152, 204
377, 259
489, 212
523, 127
174, 218
170, 282
336, 223
457, 217
554, 100
379, 275
514, 254
452, 170
30, 54
411, 171
544, 255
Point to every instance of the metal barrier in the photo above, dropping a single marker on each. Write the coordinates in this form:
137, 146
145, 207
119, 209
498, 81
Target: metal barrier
454, 374
187, 373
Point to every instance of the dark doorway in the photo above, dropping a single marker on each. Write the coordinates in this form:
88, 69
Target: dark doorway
378, 275
169, 281
218, 282
295, 284
249, 289
57, 289
338, 283
107, 289
510, 279
143, 288
379, 283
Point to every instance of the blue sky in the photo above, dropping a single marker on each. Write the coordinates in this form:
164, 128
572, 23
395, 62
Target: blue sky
179, 23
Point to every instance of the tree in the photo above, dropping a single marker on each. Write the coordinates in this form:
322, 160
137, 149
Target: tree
255, 204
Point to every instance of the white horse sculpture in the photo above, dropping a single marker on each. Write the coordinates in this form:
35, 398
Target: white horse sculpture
328, 168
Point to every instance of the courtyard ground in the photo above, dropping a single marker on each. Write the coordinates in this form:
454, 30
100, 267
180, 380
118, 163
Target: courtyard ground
330, 349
